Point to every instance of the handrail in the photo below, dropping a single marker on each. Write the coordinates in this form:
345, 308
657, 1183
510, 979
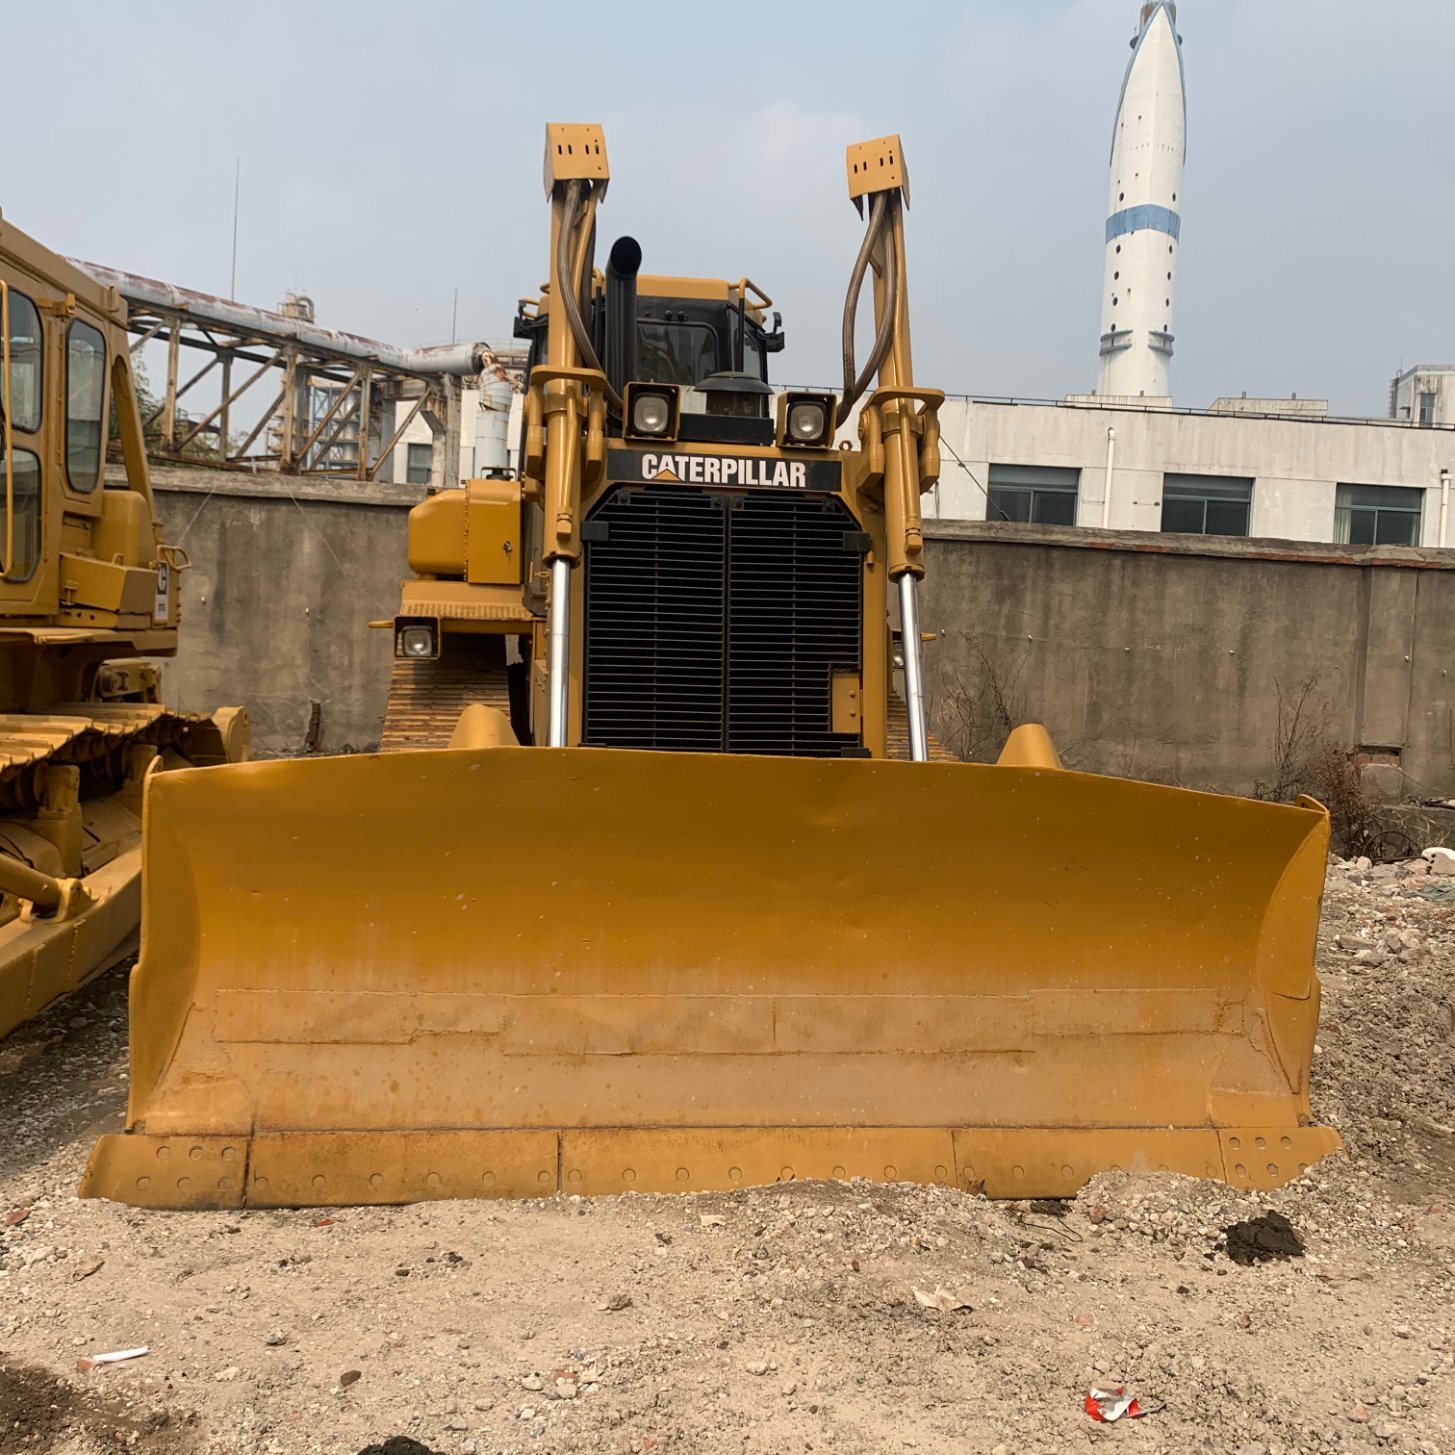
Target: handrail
746, 286
9, 561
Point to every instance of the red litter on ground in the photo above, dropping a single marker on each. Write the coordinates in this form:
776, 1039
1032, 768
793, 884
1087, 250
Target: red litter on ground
1109, 1405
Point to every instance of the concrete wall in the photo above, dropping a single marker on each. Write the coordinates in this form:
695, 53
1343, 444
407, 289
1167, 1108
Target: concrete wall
286, 575
1295, 464
1165, 657
1156, 656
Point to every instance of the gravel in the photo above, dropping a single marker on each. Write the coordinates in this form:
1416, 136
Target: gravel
773, 1319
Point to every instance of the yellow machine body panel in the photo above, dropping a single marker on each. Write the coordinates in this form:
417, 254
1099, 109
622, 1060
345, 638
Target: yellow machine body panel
737, 970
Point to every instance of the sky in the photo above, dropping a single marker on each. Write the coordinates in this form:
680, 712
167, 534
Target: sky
390, 155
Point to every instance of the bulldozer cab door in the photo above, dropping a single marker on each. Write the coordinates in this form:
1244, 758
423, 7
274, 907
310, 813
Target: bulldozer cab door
53, 388
27, 426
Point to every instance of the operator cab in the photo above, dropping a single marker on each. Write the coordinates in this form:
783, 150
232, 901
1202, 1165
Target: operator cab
707, 337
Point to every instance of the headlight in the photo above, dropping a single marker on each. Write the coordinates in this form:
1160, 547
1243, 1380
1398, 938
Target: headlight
651, 413
807, 422
416, 641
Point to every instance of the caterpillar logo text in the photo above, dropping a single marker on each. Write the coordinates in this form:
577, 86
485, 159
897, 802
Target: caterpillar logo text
750, 472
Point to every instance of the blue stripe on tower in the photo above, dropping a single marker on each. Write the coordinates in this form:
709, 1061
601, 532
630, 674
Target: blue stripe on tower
1148, 215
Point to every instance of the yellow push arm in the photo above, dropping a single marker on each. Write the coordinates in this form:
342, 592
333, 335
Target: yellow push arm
566, 406
899, 423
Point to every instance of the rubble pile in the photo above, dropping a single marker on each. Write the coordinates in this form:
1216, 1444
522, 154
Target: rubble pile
1385, 1069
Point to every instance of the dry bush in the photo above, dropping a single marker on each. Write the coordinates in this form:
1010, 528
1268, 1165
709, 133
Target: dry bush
1308, 758
975, 711
1150, 762
1302, 733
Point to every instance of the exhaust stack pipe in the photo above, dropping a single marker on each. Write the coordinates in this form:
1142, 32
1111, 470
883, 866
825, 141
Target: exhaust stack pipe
620, 361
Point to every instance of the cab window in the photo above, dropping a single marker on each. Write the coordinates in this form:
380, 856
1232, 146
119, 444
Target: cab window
85, 396
675, 353
25, 487
22, 389
753, 355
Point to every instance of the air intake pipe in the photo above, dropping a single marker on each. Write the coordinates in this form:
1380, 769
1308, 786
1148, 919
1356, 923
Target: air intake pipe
620, 359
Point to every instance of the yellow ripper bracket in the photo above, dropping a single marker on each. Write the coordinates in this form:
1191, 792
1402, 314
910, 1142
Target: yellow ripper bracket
355, 988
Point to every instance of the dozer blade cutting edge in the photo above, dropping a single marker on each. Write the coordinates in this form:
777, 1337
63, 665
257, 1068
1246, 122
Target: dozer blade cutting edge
516, 972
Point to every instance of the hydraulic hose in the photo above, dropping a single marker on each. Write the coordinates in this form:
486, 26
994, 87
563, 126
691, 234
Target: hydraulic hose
856, 383
569, 283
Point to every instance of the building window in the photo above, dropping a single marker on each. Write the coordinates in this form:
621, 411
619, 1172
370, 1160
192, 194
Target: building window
1206, 505
1041, 494
1427, 408
417, 464
1378, 515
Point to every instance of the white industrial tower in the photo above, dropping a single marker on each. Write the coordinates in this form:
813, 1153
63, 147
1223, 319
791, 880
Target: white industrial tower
1143, 220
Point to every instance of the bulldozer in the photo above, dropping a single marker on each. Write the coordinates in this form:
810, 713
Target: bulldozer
88, 595
659, 881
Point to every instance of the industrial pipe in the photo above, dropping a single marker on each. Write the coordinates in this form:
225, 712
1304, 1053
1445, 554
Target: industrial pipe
620, 360
463, 360
1444, 504
1111, 456
492, 430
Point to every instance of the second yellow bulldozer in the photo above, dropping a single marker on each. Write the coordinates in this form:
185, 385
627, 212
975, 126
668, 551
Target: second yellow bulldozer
658, 884
88, 592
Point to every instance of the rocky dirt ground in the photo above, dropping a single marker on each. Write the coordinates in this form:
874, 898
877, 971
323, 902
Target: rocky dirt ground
771, 1320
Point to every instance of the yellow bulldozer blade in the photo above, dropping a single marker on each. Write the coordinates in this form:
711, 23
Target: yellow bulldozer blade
521, 971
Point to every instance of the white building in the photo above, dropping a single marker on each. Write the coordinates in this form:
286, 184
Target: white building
1297, 476
1424, 395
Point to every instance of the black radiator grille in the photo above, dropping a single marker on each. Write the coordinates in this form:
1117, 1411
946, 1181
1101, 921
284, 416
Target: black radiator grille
715, 623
